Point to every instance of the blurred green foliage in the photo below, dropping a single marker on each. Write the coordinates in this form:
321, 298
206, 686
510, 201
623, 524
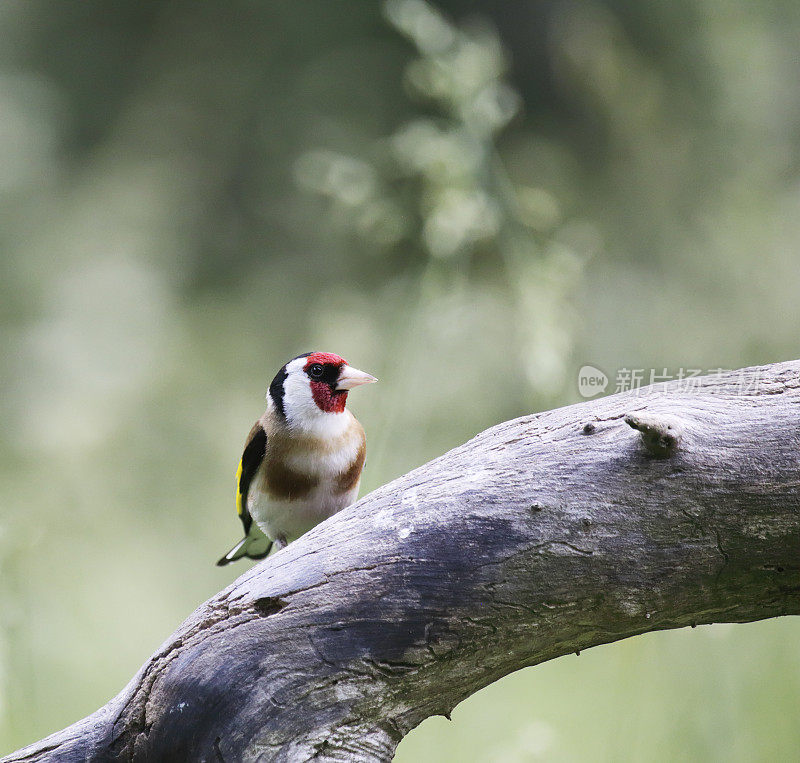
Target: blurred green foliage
470, 200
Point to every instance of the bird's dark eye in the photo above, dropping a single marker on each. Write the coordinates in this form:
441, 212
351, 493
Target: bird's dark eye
315, 370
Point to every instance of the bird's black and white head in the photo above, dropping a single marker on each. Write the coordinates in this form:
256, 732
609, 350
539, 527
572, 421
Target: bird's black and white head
310, 391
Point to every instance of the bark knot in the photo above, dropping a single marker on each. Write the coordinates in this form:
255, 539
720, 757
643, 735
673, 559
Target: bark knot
269, 605
660, 436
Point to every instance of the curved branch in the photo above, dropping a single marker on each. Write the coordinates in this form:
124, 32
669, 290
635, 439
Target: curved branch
541, 536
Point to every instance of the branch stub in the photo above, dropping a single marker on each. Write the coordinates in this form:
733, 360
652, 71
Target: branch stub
659, 436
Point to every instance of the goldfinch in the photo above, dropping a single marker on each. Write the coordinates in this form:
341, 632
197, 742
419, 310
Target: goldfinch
303, 458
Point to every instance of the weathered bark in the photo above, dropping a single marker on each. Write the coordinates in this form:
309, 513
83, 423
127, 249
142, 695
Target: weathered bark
542, 536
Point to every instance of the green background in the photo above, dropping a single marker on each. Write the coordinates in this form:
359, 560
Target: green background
470, 201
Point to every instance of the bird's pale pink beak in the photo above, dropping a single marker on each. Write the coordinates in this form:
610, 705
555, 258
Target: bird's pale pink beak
350, 377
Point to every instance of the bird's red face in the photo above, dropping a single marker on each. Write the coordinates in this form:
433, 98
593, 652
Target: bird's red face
323, 369
312, 385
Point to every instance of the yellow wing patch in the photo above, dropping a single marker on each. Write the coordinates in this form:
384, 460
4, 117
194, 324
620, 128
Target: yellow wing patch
239, 496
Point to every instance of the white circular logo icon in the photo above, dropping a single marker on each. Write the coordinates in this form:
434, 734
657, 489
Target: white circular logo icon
591, 381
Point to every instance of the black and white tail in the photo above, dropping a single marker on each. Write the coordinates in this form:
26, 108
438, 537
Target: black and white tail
254, 545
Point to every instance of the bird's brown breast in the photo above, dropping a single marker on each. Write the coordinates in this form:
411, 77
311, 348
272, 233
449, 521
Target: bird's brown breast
349, 478
282, 480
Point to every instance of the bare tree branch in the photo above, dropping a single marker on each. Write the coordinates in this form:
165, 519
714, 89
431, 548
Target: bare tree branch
542, 536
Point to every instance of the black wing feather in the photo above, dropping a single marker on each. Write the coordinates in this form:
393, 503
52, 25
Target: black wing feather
253, 455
